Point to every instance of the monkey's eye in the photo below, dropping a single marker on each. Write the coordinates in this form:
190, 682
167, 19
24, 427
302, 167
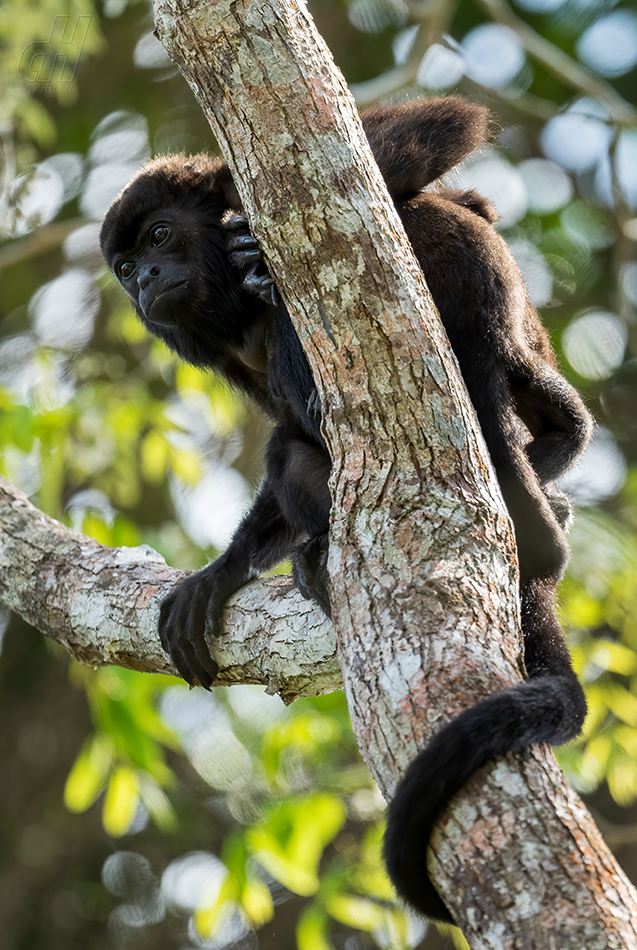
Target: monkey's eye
158, 235
126, 269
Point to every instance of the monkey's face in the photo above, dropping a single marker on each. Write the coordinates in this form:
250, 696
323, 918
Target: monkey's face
169, 252
160, 271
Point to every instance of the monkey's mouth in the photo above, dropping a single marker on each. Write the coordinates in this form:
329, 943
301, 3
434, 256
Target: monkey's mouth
161, 311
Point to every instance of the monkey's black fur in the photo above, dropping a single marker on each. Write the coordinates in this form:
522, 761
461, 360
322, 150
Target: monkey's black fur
193, 273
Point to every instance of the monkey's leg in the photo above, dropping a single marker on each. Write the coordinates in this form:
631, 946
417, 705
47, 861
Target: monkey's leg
556, 417
302, 469
542, 548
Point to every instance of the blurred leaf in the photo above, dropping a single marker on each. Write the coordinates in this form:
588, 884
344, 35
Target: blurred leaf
154, 457
209, 920
312, 930
120, 803
88, 776
38, 123
290, 842
243, 889
16, 427
185, 466
614, 657
96, 528
578, 608
355, 911
368, 875
307, 733
235, 856
622, 703
157, 803
256, 901
626, 737
622, 779
457, 938
596, 757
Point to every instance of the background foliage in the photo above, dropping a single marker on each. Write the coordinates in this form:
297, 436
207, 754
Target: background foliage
132, 812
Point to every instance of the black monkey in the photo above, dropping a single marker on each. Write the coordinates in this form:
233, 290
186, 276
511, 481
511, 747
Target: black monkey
194, 274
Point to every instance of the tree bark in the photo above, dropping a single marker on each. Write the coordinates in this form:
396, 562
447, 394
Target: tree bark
102, 605
421, 557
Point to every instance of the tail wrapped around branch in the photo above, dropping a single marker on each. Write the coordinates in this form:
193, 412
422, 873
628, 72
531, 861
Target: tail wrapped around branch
548, 709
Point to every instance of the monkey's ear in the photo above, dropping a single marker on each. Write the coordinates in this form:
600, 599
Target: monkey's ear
216, 176
226, 187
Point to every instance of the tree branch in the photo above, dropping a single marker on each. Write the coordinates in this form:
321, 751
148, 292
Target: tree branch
102, 605
47, 237
564, 67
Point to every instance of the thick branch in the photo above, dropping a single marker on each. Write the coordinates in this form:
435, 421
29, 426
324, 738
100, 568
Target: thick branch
424, 594
102, 605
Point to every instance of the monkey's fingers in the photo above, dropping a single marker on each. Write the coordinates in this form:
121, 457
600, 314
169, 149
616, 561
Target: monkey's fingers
241, 258
244, 250
238, 222
262, 285
170, 642
239, 241
181, 629
202, 662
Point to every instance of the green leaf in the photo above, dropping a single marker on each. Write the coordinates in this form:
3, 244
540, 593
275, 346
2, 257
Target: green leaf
209, 920
256, 901
38, 122
18, 425
622, 703
595, 759
457, 938
355, 911
88, 775
121, 801
154, 457
290, 842
614, 657
157, 803
185, 466
622, 779
312, 930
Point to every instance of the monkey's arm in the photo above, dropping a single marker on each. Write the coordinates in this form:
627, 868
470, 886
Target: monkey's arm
195, 606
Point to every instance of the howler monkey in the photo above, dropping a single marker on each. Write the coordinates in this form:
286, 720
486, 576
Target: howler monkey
179, 246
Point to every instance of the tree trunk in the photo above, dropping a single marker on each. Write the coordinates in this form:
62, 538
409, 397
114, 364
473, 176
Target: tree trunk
421, 557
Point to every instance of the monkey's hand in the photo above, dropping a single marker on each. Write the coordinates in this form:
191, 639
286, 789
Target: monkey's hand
309, 570
190, 615
246, 256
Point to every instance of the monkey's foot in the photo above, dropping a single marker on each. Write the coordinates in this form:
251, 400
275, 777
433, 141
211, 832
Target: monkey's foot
309, 570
